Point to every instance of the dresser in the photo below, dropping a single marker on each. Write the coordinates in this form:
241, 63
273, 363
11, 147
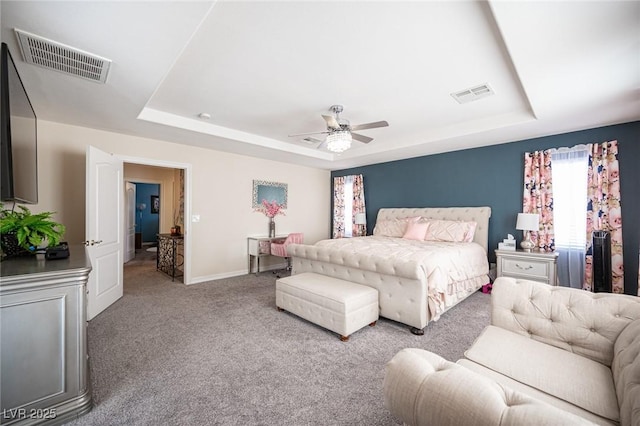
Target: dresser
43, 349
531, 265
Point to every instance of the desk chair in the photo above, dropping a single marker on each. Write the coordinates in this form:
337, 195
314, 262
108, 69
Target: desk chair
280, 248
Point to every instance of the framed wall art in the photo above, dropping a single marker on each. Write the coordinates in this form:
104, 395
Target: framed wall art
270, 191
155, 204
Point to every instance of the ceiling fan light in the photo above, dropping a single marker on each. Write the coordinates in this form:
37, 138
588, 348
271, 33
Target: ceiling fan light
339, 141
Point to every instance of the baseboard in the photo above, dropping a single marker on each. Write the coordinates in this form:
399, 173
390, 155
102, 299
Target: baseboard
231, 274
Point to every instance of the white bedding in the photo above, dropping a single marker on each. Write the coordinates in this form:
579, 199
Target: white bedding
452, 270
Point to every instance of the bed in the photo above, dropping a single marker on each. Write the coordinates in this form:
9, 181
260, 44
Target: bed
417, 280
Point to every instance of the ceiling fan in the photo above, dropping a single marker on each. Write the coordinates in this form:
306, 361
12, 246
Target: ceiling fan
340, 132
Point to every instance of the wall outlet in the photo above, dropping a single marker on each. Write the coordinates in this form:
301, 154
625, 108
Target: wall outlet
195, 218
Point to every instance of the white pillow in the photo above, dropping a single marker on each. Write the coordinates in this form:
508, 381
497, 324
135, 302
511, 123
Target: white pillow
450, 230
393, 227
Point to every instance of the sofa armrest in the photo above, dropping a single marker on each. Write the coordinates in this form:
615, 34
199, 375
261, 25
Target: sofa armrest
421, 388
578, 321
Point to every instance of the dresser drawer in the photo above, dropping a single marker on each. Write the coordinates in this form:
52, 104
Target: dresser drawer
534, 265
526, 268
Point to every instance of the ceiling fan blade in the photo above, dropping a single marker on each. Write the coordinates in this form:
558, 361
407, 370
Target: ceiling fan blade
331, 121
322, 145
310, 133
361, 138
370, 125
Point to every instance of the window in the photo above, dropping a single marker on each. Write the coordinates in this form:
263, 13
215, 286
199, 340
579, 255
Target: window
569, 176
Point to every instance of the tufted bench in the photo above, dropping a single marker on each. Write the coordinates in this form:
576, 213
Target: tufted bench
340, 306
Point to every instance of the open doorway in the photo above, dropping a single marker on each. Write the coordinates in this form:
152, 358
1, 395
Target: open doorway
106, 211
154, 206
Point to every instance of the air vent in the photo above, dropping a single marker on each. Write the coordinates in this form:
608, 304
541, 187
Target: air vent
57, 56
473, 94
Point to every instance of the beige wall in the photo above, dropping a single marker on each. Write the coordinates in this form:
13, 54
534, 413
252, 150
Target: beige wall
221, 193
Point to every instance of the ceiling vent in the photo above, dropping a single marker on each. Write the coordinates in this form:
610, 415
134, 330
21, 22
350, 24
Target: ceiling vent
473, 94
60, 57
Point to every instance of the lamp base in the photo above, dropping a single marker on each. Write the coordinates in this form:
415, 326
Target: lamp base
527, 244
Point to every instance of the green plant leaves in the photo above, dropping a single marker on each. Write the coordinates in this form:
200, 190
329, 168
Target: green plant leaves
30, 229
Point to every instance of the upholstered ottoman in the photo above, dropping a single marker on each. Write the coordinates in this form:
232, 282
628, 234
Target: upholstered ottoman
337, 305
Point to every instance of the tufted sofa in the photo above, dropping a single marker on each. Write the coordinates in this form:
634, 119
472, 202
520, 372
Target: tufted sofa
552, 355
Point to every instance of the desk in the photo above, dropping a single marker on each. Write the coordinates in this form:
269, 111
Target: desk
258, 247
170, 256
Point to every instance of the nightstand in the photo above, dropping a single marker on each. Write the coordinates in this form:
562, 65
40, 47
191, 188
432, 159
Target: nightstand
531, 265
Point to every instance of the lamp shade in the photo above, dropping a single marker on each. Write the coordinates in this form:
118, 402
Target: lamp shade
528, 222
360, 219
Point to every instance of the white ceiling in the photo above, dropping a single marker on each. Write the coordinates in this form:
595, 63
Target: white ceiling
267, 69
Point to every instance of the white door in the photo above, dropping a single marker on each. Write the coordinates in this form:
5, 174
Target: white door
104, 229
130, 228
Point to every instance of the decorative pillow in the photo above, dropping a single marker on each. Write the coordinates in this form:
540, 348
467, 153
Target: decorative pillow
450, 230
471, 232
416, 231
393, 227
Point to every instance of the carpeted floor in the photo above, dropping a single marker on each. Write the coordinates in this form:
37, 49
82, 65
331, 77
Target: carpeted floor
220, 353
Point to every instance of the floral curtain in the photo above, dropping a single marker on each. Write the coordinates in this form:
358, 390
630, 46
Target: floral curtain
179, 219
538, 196
603, 209
348, 201
338, 207
358, 206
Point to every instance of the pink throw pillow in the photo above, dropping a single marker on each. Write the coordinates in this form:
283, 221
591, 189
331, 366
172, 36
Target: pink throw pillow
416, 231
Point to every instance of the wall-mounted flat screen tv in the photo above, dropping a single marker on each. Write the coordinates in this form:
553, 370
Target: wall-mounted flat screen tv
18, 147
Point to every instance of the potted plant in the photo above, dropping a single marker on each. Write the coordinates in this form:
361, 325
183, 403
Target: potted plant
22, 231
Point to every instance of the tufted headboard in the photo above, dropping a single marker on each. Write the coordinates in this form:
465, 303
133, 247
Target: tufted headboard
480, 215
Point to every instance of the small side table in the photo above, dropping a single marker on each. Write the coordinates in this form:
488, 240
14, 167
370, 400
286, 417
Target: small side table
531, 265
169, 257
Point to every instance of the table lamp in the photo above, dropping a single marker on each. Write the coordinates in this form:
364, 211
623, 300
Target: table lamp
527, 222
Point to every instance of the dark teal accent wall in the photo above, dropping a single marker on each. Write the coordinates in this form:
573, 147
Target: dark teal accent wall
147, 223
493, 176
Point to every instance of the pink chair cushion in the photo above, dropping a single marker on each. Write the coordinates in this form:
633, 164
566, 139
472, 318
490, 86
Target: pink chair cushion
280, 249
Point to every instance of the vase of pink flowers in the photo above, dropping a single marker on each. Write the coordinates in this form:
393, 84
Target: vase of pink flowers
272, 228
271, 209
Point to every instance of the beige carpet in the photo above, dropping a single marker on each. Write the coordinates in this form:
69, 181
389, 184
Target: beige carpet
219, 353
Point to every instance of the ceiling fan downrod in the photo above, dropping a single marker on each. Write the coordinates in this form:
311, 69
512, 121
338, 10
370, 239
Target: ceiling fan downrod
336, 109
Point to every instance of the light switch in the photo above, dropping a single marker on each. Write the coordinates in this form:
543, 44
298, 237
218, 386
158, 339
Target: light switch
195, 218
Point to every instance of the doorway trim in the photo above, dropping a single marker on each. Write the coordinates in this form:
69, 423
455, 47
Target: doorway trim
187, 201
